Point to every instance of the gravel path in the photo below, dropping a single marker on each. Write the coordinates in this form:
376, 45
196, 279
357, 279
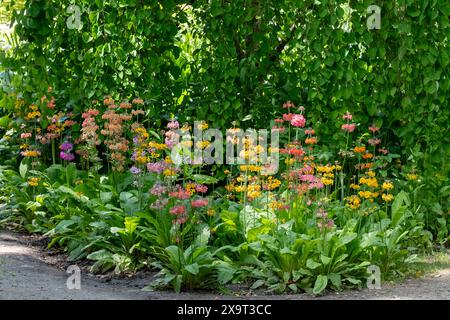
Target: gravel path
28, 272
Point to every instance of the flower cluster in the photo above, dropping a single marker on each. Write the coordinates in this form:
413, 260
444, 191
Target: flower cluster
33, 182
348, 127
89, 138
66, 151
34, 113
113, 130
323, 220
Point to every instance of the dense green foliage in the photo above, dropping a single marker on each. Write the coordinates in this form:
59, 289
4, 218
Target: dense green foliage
232, 61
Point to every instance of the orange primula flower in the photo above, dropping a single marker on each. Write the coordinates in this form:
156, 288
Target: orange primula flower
312, 140
360, 149
367, 155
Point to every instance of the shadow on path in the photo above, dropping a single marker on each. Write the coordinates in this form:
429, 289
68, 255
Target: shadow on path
25, 275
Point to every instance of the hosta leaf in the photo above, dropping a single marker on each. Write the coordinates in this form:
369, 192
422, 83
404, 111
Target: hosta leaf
257, 284
225, 272
100, 255
325, 260
192, 268
335, 279
204, 179
320, 284
23, 168
293, 287
311, 264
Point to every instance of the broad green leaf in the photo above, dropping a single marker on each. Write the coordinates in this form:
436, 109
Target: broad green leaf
204, 179
401, 201
311, 264
325, 260
23, 168
192, 268
257, 284
320, 284
335, 279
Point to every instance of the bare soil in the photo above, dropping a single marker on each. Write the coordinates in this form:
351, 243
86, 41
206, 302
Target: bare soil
29, 271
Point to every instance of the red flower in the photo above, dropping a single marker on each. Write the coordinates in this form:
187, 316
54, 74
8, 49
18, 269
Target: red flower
288, 105
349, 127
288, 116
199, 203
177, 210
347, 116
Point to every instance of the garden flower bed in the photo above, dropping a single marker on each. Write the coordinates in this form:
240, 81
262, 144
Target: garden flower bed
103, 186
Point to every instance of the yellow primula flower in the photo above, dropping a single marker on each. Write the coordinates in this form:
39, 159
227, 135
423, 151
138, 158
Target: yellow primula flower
252, 168
185, 128
31, 153
186, 143
387, 186
33, 182
229, 187
169, 172
370, 182
259, 149
168, 160
210, 212
32, 115
289, 161
156, 145
190, 187
325, 169
202, 144
272, 184
275, 205
142, 159
202, 125
365, 194
353, 202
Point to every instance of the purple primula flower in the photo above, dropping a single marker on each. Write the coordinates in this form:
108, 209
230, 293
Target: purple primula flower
157, 167
173, 125
66, 146
158, 189
159, 204
66, 156
135, 170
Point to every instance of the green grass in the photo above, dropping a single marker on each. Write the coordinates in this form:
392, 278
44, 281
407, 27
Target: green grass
430, 263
